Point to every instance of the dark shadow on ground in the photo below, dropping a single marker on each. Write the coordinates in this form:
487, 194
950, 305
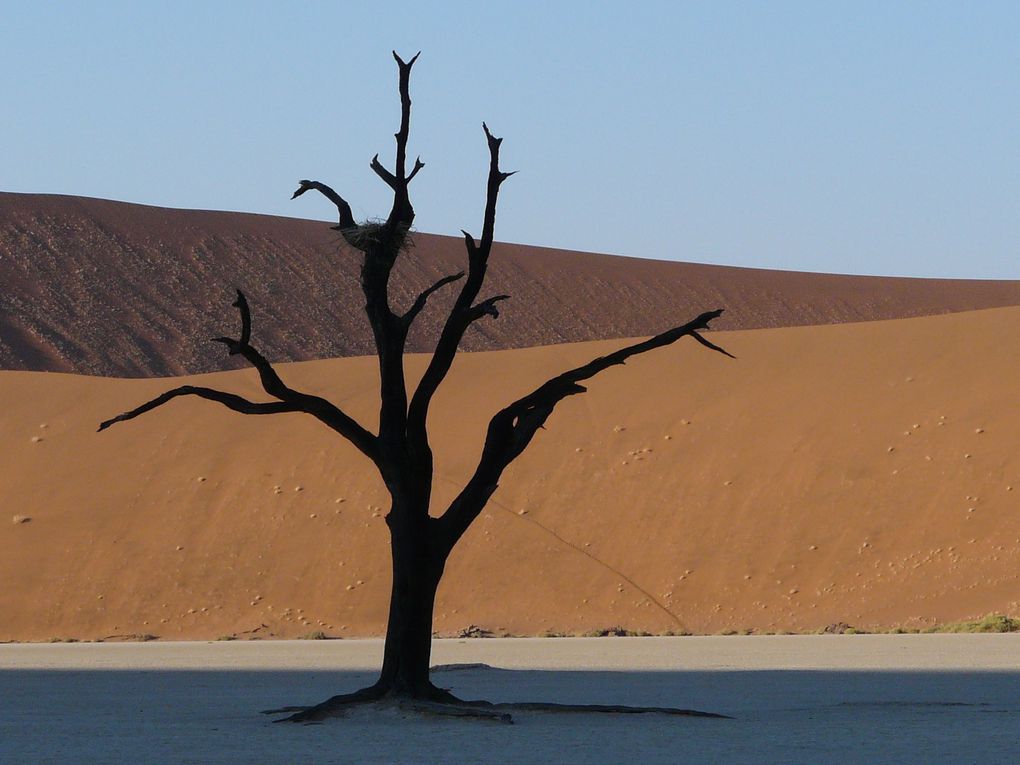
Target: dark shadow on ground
213, 716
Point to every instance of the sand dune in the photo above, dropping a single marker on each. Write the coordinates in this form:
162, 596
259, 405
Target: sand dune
865, 473
108, 288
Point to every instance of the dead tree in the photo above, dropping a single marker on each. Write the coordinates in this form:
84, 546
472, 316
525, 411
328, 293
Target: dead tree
420, 543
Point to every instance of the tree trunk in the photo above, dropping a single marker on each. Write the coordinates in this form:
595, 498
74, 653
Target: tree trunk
417, 568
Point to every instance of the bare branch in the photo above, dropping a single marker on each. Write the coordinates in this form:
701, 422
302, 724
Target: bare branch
381, 253
405, 113
419, 304
229, 400
402, 213
493, 141
271, 381
400, 61
344, 209
496, 178
236, 346
318, 407
487, 307
512, 428
389, 178
290, 400
711, 345
463, 311
418, 165
559, 387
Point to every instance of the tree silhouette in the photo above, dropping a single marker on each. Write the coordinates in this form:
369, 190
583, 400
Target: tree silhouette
420, 542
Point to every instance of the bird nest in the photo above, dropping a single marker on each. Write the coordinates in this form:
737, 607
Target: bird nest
372, 234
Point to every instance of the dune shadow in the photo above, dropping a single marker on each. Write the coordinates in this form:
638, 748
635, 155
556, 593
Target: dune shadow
209, 716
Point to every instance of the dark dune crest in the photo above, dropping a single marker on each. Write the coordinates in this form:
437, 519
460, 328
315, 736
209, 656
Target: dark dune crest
116, 289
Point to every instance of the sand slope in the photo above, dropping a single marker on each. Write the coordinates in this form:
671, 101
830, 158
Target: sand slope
861, 472
108, 288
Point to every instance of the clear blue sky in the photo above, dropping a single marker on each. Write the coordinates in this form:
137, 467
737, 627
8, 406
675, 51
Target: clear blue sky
847, 137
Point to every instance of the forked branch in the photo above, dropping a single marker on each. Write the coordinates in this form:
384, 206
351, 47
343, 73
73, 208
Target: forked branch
389, 178
464, 312
418, 165
419, 304
402, 213
290, 400
237, 346
487, 308
512, 428
229, 400
405, 115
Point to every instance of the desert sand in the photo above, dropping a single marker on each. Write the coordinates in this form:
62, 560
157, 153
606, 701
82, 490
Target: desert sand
848, 699
860, 473
108, 288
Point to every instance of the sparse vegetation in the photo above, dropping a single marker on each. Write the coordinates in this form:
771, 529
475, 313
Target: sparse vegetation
990, 623
836, 628
317, 635
474, 631
142, 637
616, 632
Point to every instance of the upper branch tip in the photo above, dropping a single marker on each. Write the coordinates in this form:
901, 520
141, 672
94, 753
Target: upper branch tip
406, 64
493, 141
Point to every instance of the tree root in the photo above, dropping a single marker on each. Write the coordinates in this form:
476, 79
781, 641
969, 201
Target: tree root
338, 706
444, 704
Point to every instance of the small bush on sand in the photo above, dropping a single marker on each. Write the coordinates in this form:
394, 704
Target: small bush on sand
317, 635
991, 623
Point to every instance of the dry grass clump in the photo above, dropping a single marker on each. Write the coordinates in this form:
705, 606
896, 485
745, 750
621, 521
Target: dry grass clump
990, 623
616, 632
317, 635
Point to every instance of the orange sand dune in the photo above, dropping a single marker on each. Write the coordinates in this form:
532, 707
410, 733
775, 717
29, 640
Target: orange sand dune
866, 473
